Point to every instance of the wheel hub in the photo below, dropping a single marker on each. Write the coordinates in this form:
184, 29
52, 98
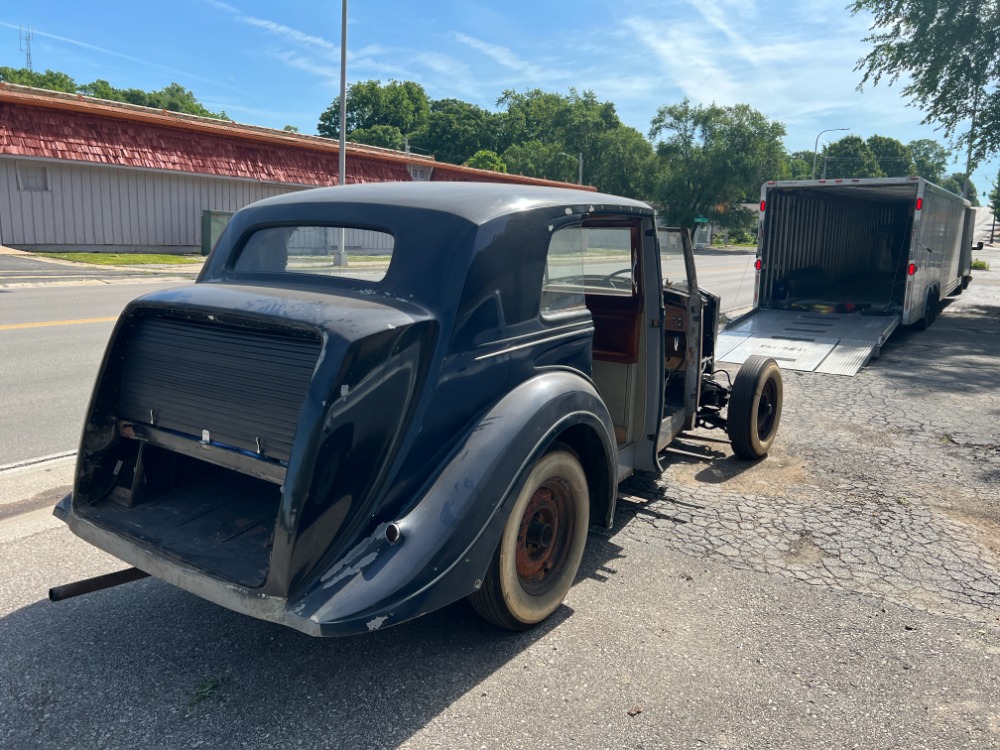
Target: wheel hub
542, 538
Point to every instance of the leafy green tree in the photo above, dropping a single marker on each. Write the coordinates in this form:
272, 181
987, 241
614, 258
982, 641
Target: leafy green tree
712, 159
487, 160
849, 157
622, 163
174, 98
400, 104
537, 159
947, 53
797, 166
930, 159
956, 182
993, 198
893, 157
384, 136
50, 79
290, 129
455, 130
529, 116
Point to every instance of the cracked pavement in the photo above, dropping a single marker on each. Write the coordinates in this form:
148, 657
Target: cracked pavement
887, 483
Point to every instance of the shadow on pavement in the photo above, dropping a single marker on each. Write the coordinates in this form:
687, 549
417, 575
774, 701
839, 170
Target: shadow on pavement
957, 353
151, 666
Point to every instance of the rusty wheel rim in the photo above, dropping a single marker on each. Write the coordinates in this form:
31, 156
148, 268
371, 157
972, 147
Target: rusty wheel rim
545, 535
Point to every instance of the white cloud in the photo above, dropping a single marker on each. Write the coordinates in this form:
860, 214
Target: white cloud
288, 33
507, 58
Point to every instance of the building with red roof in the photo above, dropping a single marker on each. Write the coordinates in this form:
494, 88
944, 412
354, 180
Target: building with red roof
83, 173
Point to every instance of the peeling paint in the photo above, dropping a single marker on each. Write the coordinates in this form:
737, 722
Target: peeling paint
351, 570
376, 623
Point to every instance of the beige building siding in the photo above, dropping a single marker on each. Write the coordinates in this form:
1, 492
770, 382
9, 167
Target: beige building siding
50, 202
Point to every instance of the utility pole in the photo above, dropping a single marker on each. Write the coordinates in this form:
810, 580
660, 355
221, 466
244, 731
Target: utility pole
26, 37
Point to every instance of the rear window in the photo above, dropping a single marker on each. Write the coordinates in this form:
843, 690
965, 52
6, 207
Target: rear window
346, 252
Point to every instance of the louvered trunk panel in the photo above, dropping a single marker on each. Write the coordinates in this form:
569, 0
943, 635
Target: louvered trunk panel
239, 385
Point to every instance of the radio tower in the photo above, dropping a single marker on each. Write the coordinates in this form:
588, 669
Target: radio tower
26, 46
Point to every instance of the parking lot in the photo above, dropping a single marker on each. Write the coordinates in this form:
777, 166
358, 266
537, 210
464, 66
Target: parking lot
845, 592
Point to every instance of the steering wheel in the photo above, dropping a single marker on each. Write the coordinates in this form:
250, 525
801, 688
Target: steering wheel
611, 281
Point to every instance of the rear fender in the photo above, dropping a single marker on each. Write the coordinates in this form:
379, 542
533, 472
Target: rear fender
445, 543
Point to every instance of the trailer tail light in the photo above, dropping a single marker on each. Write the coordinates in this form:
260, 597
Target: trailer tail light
912, 269
757, 264
920, 203
763, 205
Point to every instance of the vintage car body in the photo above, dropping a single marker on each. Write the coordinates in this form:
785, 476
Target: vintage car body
341, 453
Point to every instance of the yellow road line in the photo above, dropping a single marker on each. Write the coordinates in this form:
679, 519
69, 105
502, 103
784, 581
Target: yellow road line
43, 324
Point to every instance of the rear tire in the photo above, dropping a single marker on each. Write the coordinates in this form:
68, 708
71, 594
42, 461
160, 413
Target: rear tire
930, 310
541, 546
755, 407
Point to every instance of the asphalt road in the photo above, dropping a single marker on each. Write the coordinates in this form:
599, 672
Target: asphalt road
842, 593
54, 328
52, 339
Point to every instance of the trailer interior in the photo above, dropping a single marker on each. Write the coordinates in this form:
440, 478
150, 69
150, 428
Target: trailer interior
837, 249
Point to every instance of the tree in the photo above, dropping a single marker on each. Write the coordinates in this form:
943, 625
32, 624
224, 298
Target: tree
892, 156
849, 157
537, 159
290, 129
947, 53
994, 197
50, 79
384, 136
174, 97
487, 160
797, 166
956, 182
455, 130
623, 162
712, 160
930, 159
401, 104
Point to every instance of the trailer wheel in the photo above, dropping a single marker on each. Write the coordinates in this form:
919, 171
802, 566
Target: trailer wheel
541, 546
755, 407
930, 310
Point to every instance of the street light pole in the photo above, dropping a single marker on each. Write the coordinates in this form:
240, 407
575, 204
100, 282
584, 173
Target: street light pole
341, 258
816, 147
579, 159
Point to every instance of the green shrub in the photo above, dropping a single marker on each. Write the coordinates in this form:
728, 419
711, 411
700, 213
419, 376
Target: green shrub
980, 265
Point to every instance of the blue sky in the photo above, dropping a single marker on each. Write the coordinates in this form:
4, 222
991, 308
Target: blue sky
273, 64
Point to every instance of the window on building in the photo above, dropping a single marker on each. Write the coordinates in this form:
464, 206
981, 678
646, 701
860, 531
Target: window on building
33, 178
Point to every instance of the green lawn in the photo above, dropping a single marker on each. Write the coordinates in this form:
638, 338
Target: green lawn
125, 259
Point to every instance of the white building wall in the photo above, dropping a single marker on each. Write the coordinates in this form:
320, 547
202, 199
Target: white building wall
72, 204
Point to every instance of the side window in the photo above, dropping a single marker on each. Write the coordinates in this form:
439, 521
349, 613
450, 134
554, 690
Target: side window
585, 260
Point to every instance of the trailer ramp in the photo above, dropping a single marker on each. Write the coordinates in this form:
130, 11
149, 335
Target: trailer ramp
831, 343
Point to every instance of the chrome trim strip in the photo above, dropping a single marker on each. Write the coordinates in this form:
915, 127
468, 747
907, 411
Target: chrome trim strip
568, 334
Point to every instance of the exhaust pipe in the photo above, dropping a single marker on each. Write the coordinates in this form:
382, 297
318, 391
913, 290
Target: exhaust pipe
69, 590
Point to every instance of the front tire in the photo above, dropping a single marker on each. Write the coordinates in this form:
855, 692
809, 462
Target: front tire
755, 407
541, 546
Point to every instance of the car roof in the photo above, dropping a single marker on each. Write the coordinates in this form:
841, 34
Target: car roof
476, 202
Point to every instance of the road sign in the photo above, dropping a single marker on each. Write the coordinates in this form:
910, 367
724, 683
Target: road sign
701, 220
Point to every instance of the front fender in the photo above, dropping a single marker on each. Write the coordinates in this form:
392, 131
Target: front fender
448, 538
